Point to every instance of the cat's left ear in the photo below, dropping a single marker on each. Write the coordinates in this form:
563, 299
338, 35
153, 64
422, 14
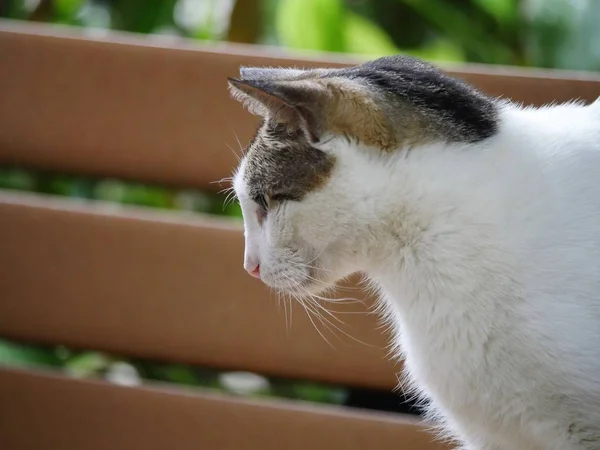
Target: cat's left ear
297, 103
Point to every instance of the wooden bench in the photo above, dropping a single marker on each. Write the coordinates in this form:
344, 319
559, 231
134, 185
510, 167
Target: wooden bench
167, 285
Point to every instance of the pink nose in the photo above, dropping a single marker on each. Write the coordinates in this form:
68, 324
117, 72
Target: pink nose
255, 272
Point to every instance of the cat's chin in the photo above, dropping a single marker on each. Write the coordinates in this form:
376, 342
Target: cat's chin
306, 289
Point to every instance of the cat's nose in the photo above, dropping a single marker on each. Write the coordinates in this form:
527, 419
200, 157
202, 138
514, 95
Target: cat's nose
254, 270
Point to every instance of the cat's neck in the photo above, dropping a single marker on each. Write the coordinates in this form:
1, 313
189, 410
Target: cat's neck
438, 214
454, 217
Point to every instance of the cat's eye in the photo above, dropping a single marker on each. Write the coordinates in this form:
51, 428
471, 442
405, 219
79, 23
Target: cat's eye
261, 200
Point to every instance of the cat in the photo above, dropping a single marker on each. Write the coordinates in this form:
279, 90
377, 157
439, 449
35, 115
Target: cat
477, 219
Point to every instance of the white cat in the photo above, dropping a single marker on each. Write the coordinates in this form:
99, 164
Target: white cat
478, 219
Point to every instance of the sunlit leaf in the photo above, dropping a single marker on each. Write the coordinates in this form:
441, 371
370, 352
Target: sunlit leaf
191, 200
502, 10
311, 24
458, 26
365, 37
440, 50
133, 194
66, 10
87, 364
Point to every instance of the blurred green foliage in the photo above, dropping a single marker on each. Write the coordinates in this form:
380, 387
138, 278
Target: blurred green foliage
542, 33
131, 371
116, 191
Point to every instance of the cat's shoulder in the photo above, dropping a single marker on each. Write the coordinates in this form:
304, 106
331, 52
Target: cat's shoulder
570, 127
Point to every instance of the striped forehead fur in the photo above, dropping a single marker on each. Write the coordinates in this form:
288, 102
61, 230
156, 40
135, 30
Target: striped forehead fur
390, 102
282, 165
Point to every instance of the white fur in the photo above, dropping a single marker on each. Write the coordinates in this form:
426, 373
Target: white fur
488, 258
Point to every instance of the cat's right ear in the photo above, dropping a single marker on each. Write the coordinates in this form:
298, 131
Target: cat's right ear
295, 103
269, 73
258, 99
315, 103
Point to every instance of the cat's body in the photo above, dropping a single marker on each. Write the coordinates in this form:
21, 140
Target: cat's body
498, 305
486, 250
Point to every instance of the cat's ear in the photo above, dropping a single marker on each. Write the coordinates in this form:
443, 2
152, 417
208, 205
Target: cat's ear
297, 103
269, 73
315, 102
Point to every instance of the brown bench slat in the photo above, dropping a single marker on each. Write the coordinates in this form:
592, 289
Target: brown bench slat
165, 286
45, 411
136, 107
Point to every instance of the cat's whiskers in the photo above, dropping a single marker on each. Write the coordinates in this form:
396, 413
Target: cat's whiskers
222, 180
281, 299
311, 301
229, 199
242, 149
302, 300
309, 313
237, 156
328, 324
229, 191
332, 314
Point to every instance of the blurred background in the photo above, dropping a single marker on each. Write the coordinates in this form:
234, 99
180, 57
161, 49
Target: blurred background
540, 33
561, 34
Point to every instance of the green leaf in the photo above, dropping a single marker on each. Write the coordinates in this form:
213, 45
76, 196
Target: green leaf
14, 9
20, 355
193, 200
311, 24
502, 10
17, 179
233, 209
458, 26
180, 374
87, 364
133, 194
65, 11
143, 16
318, 394
147, 196
110, 191
367, 38
70, 186
440, 50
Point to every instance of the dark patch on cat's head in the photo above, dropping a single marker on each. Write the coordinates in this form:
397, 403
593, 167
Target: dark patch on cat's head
450, 109
389, 103
281, 164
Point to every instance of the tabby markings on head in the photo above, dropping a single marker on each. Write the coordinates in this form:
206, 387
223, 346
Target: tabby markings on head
389, 103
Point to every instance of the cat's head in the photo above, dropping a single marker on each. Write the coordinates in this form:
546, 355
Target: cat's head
311, 183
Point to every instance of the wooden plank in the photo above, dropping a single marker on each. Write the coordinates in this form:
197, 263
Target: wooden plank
158, 110
40, 411
164, 286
